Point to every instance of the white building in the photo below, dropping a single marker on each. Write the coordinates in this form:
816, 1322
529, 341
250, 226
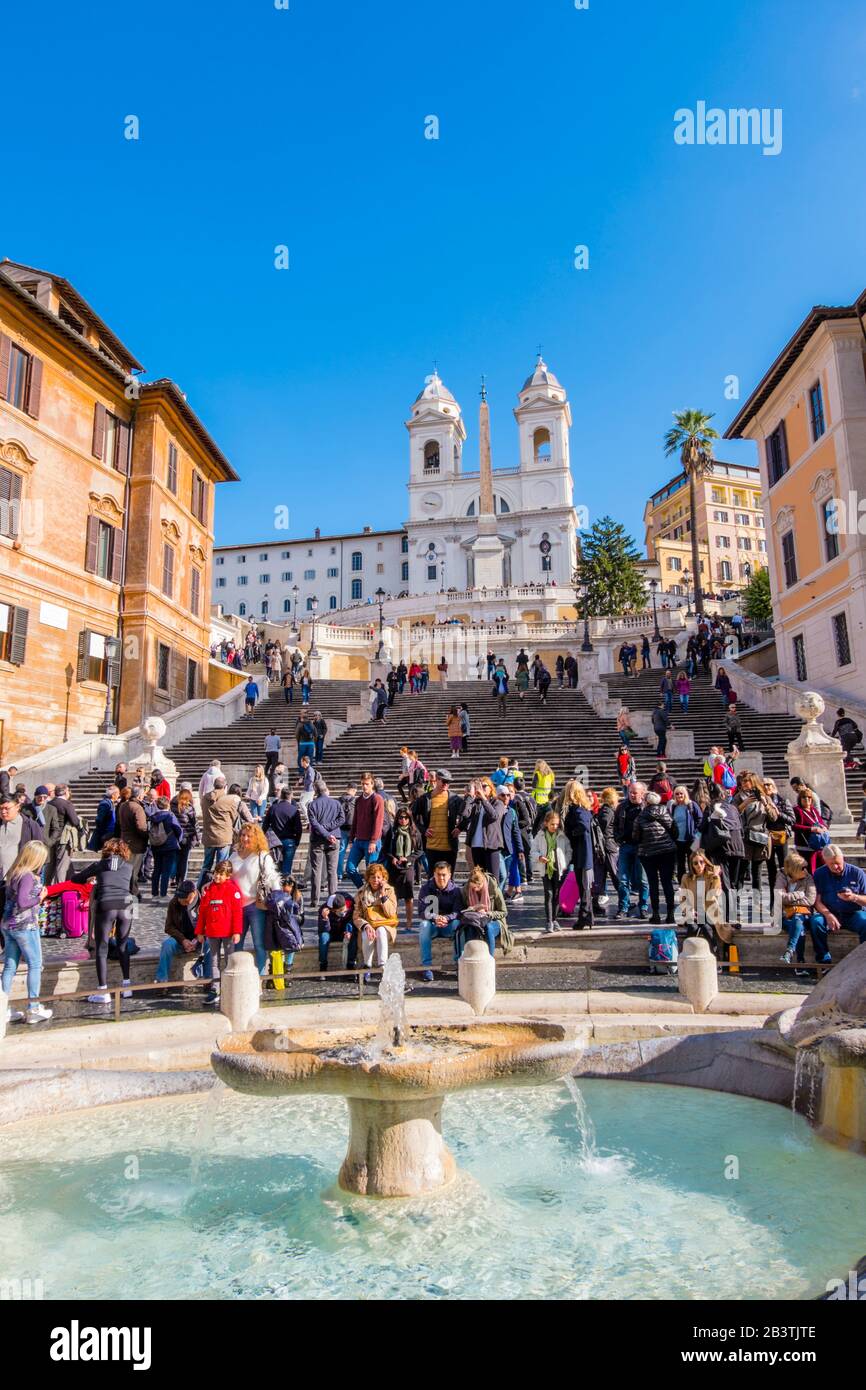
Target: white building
535, 520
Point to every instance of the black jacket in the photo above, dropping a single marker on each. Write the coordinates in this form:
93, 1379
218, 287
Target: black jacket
492, 813
735, 847
284, 819
605, 819
113, 880
624, 818
653, 832
578, 831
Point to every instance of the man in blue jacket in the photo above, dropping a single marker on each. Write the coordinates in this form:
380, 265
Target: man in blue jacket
106, 818
439, 908
325, 816
251, 694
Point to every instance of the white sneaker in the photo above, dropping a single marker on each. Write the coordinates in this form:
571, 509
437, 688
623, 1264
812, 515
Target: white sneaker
126, 993
103, 997
16, 1016
603, 900
37, 1014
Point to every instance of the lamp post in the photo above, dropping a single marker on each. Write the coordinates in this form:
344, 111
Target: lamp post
295, 608
112, 664
686, 580
582, 594
380, 599
314, 605
657, 637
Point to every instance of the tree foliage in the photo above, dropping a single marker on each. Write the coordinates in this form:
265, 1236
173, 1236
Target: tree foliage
757, 603
609, 566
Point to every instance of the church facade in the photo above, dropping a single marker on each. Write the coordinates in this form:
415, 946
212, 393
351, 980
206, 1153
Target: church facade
468, 527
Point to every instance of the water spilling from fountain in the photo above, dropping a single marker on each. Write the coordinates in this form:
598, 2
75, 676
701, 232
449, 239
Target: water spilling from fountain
392, 1004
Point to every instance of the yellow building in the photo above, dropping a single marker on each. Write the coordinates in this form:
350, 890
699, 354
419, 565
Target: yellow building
106, 525
731, 535
808, 418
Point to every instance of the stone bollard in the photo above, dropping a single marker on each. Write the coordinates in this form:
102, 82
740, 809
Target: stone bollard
476, 976
697, 978
240, 991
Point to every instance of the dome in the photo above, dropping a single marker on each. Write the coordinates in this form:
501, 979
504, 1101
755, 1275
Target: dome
541, 376
435, 392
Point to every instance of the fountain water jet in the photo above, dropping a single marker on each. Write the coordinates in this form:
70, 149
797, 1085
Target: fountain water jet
394, 1080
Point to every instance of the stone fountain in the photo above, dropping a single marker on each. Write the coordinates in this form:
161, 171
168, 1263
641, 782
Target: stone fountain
395, 1079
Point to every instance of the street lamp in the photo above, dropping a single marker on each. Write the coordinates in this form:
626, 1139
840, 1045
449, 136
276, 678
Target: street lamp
295, 609
686, 580
314, 604
657, 637
380, 599
112, 675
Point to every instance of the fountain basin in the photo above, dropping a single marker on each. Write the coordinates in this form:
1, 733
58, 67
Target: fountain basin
395, 1094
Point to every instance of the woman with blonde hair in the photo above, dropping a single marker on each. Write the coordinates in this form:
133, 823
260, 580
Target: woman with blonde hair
577, 825
24, 893
702, 896
552, 853
798, 892
375, 916
543, 782
257, 793
255, 873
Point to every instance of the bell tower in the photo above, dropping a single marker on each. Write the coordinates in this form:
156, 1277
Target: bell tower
544, 419
436, 437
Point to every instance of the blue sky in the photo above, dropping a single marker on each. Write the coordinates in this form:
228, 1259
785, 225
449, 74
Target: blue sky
305, 127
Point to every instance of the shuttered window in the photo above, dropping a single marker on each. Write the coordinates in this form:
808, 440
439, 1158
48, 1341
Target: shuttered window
168, 570
194, 591
199, 497
171, 472
10, 503
111, 439
104, 550
20, 377
163, 665
92, 657
789, 559
13, 633
191, 680
777, 453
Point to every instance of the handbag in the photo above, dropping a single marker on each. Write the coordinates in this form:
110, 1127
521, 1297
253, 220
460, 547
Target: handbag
261, 888
819, 839
779, 837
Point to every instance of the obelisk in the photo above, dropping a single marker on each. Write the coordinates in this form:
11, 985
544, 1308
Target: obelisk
487, 549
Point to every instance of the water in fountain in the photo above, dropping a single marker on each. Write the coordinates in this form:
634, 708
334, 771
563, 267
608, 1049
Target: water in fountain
805, 1073
589, 1157
202, 1143
392, 1031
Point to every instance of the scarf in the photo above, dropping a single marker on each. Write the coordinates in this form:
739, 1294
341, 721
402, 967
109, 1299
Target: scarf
402, 843
480, 897
552, 863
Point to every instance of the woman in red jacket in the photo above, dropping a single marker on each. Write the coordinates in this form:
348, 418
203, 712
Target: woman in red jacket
220, 920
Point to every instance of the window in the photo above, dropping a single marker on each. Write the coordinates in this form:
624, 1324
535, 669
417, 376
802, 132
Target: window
759, 518
10, 503
720, 516
286, 576
357, 560
743, 519
404, 570
103, 550
191, 679
725, 570
264, 579
546, 563
723, 542
285, 555
287, 605
163, 663
404, 545
332, 601
831, 536
333, 550
718, 494
242, 579
840, 639
674, 562
777, 453
432, 571
789, 559
378, 545
380, 569
242, 610
265, 607
744, 543
816, 410
168, 570
356, 588
241, 559
198, 503
194, 591
13, 633
309, 574
739, 499
431, 457
309, 605
333, 573
800, 658
20, 377
220, 560
171, 469
110, 441
92, 657
263, 555
762, 545
221, 583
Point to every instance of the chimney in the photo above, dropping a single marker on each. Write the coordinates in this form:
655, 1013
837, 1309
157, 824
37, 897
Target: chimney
318, 532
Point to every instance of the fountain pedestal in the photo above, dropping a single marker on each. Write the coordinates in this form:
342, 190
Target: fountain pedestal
396, 1148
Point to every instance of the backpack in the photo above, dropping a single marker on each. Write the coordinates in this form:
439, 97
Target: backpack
727, 778
717, 836
284, 922
157, 834
663, 947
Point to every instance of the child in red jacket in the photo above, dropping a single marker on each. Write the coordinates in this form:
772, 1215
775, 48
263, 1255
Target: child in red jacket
220, 920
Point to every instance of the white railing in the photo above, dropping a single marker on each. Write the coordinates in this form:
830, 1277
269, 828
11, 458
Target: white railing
359, 636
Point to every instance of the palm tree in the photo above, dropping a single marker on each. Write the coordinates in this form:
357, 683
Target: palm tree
693, 436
